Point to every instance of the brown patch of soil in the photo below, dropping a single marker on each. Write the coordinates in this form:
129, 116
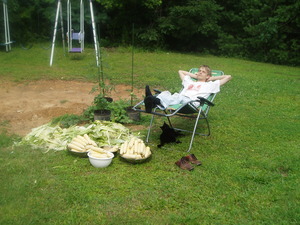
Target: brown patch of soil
28, 105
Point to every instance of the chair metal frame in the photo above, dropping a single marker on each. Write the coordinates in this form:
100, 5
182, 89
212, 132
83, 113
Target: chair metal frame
188, 110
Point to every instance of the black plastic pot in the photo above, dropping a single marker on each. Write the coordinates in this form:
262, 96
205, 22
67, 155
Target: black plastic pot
102, 114
132, 114
109, 99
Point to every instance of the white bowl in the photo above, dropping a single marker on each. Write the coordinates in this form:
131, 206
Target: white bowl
100, 162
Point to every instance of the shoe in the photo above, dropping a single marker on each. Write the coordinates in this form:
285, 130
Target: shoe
147, 91
184, 164
193, 159
149, 103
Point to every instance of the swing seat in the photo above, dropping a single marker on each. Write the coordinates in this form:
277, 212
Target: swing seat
76, 50
188, 110
79, 38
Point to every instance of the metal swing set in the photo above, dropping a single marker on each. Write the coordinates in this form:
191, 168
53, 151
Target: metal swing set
71, 34
7, 42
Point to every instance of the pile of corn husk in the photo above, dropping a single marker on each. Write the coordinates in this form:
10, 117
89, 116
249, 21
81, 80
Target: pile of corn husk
49, 137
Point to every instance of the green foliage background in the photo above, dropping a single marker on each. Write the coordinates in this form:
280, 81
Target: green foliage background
261, 30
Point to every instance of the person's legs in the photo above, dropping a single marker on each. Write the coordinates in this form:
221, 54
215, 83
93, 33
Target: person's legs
166, 99
163, 100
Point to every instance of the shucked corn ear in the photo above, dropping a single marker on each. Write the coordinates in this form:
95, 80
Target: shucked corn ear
82, 144
135, 148
97, 154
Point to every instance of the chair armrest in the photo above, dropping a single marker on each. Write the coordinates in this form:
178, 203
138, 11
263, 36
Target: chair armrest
157, 91
204, 100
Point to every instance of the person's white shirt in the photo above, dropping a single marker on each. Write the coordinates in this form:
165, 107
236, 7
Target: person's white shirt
193, 89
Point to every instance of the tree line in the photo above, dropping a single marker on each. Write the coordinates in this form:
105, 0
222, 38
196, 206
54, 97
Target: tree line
261, 30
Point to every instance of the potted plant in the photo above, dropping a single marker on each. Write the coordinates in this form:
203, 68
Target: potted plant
101, 107
131, 113
101, 101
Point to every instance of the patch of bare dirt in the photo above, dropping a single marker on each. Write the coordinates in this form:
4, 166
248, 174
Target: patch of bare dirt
28, 105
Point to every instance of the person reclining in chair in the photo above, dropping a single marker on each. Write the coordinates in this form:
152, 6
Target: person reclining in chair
204, 85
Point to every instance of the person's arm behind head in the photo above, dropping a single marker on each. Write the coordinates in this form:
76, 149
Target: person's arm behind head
182, 74
223, 79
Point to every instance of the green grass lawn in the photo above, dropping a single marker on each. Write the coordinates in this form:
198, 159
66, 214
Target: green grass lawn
250, 172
